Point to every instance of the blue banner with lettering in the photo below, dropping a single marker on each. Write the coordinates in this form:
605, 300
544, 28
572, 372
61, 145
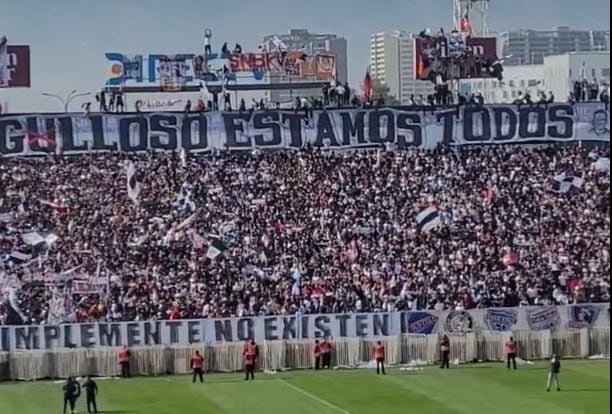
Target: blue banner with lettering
32, 134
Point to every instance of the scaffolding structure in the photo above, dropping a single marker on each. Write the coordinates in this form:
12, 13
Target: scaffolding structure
476, 12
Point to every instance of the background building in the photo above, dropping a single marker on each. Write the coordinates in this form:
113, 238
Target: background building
392, 63
311, 44
532, 46
556, 74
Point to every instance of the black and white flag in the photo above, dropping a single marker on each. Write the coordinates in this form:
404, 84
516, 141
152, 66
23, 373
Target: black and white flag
183, 201
134, 183
14, 315
428, 219
215, 249
565, 182
15, 258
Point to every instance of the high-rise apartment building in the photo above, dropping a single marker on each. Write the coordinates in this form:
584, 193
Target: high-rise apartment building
392, 63
311, 44
531, 46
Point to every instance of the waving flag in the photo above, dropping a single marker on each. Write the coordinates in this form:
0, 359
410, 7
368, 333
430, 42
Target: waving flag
296, 275
196, 239
428, 219
465, 26
183, 158
14, 315
134, 183
5, 73
215, 250
43, 139
565, 182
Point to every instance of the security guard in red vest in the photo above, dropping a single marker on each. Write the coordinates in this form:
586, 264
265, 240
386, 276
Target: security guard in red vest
123, 358
379, 356
510, 348
326, 348
250, 354
197, 363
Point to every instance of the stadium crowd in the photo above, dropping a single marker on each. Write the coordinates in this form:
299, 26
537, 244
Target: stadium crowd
232, 234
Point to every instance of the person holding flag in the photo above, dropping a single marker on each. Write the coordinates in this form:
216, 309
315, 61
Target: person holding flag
197, 362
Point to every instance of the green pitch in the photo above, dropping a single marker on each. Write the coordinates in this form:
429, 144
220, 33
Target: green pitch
476, 389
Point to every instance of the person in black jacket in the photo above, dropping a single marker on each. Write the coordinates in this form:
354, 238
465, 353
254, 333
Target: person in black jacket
91, 392
445, 352
72, 390
553, 372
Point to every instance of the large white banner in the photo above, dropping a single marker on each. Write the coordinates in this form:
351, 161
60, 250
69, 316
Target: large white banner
351, 128
290, 327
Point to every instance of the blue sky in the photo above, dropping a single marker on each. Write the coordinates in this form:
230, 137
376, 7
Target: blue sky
68, 38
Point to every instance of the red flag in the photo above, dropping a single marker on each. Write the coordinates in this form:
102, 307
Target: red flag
367, 86
420, 68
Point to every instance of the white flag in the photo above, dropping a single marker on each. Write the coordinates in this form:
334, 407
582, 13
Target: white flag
183, 158
5, 73
188, 221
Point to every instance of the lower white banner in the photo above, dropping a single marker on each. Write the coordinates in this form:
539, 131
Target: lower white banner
289, 327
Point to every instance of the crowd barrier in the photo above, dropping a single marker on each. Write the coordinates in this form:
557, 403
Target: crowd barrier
283, 355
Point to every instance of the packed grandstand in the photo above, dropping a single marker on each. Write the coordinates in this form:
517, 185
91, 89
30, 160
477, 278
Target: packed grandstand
115, 237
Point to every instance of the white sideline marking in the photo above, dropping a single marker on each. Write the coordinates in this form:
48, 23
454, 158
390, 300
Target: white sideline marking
313, 397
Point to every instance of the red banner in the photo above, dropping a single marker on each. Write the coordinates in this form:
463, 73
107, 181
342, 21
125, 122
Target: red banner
16, 74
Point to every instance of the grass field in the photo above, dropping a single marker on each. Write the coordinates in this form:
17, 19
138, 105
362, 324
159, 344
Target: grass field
486, 389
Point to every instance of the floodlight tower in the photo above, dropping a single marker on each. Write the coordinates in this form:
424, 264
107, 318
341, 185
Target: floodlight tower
477, 13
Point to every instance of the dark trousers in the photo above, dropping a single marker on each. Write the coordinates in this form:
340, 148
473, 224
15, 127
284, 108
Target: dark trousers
326, 360
69, 401
197, 373
445, 359
92, 407
249, 370
380, 366
511, 357
125, 369
318, 362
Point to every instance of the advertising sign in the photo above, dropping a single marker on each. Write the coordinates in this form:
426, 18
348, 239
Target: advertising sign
15, 66
143, 69
464, 57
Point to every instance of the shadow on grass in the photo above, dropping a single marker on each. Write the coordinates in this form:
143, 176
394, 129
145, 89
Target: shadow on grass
585, 390
115, 412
